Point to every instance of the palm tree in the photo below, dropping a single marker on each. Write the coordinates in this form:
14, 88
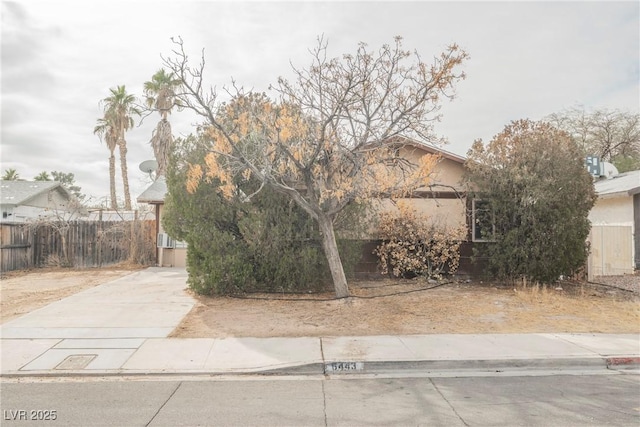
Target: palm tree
160, 95
119, 108
42, 176
10, 175
106, 132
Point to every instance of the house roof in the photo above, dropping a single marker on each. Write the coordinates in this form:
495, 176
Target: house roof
155, 193
435, 150
408, 142
20, 192
624, 184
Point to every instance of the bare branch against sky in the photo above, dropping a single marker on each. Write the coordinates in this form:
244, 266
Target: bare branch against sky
527, 60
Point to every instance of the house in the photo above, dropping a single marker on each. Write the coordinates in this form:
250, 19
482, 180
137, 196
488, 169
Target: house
169, 253
444, 201
615, 243
23, 201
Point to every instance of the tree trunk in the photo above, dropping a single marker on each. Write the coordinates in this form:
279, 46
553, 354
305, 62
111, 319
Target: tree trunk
125, 175
161, 142
112, 182
330, 247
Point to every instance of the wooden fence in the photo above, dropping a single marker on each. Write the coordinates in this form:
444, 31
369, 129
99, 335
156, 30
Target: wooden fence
611, 250
76, 244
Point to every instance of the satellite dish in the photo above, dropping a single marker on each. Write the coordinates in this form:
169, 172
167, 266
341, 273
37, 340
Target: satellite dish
608, 170
149, 166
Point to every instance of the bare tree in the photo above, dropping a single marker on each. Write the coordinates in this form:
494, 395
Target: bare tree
609, 134
60, 218
331, 137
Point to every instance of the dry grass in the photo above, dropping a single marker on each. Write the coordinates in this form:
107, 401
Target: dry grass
27, 290
580, 309
409, 307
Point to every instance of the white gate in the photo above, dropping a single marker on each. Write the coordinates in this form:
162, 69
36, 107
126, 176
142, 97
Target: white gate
611, 250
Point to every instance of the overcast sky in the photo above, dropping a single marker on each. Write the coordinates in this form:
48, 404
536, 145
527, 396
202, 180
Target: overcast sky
527, 60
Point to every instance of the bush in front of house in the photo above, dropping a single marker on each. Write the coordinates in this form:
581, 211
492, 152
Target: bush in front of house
265, 244
413, 245
536, 194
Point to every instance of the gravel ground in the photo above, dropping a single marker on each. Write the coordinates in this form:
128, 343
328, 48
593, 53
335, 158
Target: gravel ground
630, 282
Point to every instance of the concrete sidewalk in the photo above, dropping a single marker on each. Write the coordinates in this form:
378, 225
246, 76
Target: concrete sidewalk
121, 328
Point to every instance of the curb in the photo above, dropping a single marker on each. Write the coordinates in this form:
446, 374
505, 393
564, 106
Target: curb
490, 365
367, 367
623, 362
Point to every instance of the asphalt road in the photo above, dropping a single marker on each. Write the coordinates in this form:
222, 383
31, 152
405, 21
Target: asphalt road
558, 400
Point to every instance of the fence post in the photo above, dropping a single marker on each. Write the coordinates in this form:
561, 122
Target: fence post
99, 239
590, 257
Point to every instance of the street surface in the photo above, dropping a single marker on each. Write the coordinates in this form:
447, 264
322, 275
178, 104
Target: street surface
599, 398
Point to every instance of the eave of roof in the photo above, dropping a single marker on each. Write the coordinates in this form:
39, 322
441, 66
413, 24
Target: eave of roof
624, 184
404, 141
436, 150
155, 193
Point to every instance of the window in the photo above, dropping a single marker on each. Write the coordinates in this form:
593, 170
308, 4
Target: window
483, 227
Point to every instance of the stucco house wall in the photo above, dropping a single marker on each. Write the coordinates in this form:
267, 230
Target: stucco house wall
612, 211
614, 220
444, 201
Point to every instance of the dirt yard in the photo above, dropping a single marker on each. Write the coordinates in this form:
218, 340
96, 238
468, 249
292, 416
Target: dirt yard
380, 307
22, 292
418, 307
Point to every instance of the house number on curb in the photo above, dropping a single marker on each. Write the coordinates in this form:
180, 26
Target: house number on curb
344, 366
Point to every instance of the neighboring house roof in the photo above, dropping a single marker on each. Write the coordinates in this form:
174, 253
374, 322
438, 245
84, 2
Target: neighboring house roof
155, 193
21, 192
624, 184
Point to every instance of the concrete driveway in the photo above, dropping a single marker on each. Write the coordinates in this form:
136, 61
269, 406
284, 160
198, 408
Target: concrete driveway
102, 326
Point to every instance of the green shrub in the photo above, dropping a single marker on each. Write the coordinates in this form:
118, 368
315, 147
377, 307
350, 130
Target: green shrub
267, 244
537, 193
